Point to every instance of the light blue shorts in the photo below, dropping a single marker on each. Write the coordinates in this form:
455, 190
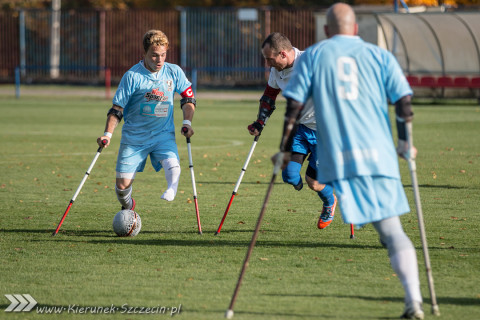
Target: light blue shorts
305, 142
368, 199
132, 158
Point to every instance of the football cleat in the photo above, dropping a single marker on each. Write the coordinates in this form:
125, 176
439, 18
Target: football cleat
413, 310
299, 186
326, 217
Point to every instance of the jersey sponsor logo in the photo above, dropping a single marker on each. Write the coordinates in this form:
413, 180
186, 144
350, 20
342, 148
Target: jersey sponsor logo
169, 84
157, 110
156, 95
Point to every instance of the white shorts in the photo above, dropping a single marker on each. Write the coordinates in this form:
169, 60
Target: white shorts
367, 199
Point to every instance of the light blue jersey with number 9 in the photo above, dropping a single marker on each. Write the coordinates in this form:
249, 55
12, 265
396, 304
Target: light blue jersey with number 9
351, 82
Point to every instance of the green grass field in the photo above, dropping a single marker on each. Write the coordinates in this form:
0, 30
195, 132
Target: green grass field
296, 271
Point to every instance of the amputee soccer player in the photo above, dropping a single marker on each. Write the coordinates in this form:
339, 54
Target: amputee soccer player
350, 82
280, 56
144, 99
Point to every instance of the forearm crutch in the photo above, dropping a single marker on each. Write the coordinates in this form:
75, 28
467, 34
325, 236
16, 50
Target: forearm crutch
99, 150
237, 185
413, 173
276, 168
190, 161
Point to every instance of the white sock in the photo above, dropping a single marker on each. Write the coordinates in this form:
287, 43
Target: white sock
403, 258
124, 196
404, 263
172, 170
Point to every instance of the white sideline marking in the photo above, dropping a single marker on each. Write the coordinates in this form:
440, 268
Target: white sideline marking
233, 143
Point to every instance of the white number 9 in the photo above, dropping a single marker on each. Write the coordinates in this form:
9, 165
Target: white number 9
351, 78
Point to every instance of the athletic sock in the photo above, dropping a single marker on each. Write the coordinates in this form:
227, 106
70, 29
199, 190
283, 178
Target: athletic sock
327, 196
404, 263
172, 175
124, 196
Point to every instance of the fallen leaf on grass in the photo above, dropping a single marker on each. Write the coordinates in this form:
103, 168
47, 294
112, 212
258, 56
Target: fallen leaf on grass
263, 259
28, 218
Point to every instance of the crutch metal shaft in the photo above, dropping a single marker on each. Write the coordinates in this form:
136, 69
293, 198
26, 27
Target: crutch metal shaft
237, 185
421, 225
99, 150
192, 174
229, 312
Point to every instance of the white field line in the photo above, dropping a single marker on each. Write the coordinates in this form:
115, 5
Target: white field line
8, 158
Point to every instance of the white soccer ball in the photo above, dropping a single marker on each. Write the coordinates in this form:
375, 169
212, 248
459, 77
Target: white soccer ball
127, 223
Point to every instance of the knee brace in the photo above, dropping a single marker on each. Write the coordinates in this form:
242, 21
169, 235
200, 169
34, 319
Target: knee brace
291, 174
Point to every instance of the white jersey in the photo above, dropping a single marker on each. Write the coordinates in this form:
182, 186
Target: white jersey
279, 80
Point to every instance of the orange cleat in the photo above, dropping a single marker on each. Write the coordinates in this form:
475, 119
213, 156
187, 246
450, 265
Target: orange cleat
326, 217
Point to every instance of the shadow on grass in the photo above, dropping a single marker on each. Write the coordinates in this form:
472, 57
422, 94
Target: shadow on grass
252, 314
206, 240
208, 243
459, 301
436, 186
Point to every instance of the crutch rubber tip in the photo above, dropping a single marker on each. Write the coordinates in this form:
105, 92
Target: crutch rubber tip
352, 236
435, 310
54, 234
229, 314
216, 233
200, 232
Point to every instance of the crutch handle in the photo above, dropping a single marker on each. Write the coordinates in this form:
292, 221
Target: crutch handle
104, 143
185, 130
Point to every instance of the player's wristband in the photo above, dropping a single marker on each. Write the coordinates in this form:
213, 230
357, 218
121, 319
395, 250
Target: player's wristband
187, 122
107, 134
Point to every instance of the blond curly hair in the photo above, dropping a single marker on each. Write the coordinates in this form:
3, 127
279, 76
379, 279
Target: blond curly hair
155, 38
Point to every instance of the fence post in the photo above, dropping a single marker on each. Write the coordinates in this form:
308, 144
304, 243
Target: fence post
194, 80
17, 82
108, 82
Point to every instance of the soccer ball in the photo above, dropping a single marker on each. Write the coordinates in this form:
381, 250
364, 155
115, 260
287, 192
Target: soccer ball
127, 223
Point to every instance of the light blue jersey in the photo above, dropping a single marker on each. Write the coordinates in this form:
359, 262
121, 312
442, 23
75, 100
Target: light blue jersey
147, 101
353, 134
